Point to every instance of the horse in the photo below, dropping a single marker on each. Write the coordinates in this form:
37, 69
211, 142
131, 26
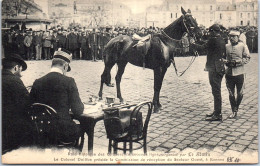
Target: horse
120, 50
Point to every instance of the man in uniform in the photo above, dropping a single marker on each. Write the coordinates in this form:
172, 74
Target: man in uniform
16, 126
216, 51
237, 54
61, 93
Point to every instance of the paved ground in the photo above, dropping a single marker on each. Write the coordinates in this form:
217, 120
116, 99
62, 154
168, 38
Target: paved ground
186, 100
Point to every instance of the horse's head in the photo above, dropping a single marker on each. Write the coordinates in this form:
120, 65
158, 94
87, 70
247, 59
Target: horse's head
190, 25
186, 23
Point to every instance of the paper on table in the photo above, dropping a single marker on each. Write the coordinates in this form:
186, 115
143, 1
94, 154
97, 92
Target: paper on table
89, 109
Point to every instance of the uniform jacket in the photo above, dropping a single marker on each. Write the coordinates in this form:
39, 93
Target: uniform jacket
215, 51
15, 102
240, 54
61, 93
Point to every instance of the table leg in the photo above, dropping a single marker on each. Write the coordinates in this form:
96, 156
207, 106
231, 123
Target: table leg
90, 133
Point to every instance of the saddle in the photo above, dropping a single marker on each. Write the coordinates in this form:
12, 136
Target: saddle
142, 45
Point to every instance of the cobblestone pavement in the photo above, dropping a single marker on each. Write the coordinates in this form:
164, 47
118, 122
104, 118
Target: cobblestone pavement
186, 100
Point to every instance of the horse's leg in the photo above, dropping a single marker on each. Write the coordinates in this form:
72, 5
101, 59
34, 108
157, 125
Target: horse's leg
159, 73
105, 78
120, 72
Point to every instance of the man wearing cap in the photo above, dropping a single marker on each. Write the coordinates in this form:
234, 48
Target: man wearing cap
216, 50
237, 54
60, 92
16, 126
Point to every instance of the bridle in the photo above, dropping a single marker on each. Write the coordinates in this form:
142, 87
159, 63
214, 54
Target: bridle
195, 52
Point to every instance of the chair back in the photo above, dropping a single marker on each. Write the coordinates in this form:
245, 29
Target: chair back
44, 118
120, 123
137, 127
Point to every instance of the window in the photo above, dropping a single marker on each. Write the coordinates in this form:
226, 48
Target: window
210, 7
98, 7
241, 15
197, 8
248, 15
171, 15
220, 16
241, 22
248, 22
228, 8
176, 15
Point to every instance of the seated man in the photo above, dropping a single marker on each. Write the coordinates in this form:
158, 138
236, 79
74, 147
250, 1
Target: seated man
15, 120
61, 93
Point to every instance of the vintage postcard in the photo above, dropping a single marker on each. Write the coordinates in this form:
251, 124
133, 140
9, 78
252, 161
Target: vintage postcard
129, 81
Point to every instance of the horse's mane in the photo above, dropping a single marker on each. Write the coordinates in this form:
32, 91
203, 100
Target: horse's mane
174, 30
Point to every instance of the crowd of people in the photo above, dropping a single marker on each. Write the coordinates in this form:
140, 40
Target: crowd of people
85, 44
89, 44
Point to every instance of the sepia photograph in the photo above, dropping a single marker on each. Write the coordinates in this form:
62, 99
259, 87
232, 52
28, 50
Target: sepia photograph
129, 81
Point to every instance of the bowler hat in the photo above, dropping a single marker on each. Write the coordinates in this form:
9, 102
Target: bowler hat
63, 54
214, 27
16, 58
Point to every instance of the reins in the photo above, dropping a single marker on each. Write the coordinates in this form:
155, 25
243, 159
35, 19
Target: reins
176, 71
172, 60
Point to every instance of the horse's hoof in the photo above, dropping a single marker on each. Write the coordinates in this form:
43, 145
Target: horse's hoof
110, 85
156, 110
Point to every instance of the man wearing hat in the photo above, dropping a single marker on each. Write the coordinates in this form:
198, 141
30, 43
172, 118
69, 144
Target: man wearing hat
216, 50
237, 55
61, 93
16, 126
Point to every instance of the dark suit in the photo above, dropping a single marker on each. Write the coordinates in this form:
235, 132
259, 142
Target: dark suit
62, 41
73, 45
61, 93
93, 41
17, 129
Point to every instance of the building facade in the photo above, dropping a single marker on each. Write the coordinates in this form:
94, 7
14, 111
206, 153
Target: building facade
247, 13
170, 10
226, 14
89, 13
25, 12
